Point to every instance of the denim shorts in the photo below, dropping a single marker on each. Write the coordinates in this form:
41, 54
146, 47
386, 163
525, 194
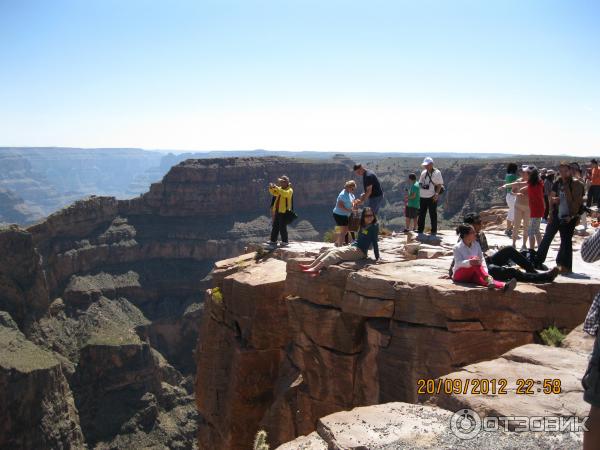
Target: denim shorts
534, 226
591, 378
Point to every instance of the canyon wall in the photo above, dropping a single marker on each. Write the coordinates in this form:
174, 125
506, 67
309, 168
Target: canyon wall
278, 350
107, 297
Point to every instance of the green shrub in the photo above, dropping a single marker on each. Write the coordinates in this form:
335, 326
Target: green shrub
260, 441
216, 295
552, 336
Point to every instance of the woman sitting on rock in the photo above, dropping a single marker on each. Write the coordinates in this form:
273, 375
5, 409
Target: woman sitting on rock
367, 236
469, 262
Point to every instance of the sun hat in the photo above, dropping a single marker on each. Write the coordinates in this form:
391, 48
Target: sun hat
427, 161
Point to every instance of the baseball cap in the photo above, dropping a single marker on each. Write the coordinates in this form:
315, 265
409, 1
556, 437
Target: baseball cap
284, 178
427, 160
550, 172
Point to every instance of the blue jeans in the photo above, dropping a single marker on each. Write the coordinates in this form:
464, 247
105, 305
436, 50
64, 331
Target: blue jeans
374, 203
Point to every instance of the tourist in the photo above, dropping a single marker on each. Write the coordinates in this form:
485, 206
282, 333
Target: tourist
342, 211
499, 262
590, 252
593, 198
521, 207
414, 203
373, 194
535, 195
548, 182
566, 200
469, 262
283, 194
510, 177
367, 237
578, 174
431, 184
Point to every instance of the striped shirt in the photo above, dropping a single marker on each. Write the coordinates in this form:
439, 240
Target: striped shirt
590, 252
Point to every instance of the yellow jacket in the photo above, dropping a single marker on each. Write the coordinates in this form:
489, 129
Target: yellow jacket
284, 196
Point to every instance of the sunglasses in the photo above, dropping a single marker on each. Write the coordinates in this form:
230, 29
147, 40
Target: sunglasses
368, 215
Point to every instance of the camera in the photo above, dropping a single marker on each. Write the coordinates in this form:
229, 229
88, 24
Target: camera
424, 186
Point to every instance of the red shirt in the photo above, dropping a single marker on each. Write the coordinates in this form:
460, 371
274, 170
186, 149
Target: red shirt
596, 177
536, 200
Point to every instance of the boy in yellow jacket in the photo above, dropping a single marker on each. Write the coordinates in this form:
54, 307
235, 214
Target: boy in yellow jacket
283, 203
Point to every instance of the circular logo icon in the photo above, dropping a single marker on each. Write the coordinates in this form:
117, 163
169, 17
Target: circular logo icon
465, 424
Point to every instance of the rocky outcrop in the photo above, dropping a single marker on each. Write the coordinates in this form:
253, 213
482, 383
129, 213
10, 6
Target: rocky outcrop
114, 288
37, 409
360, 334
394, 426
538, 380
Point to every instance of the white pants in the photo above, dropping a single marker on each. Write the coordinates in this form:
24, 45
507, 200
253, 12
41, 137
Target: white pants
510, 201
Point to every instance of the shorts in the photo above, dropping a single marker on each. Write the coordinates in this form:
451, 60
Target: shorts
341, 221
590, 380
412, 213
534, 226
510, 201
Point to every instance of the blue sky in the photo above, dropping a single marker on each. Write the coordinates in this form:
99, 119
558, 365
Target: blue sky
474, 76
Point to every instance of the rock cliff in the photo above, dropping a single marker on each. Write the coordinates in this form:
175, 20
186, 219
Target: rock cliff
279, 350
111, 291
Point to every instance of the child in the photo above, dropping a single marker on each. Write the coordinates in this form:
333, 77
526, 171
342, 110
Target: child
367, 236
469, 262
414, 203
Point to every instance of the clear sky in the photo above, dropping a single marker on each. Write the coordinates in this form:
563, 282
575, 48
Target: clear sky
514, 76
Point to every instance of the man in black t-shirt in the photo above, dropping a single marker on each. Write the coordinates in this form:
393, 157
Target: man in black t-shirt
373, 195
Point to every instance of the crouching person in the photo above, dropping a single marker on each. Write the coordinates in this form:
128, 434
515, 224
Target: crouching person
367, 236
469, 262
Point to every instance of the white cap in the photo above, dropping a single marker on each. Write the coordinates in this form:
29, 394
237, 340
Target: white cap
427, 161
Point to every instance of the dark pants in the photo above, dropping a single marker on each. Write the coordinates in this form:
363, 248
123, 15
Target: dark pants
565, 252
593, 196
546, 207
427, 204
504, 273
505, 255
279, 226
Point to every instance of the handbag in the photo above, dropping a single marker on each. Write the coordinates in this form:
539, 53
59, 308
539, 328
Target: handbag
290, 215
354, 221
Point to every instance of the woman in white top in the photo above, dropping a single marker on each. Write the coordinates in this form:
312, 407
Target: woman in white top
469, 262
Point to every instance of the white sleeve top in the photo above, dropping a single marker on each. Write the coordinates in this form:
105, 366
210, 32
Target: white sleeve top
463, 253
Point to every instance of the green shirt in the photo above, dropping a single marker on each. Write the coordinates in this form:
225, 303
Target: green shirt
414, 202
510, 178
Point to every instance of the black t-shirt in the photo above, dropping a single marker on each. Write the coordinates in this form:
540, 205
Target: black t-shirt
370, 179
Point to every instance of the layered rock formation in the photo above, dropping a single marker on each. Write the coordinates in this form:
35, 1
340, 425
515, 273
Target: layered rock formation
398, 426
279, 350
112, 290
